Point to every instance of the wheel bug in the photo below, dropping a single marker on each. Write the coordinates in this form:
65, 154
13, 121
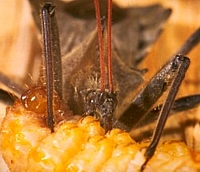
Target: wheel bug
172, 65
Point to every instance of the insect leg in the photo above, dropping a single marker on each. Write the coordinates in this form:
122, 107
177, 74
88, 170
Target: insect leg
52, 58
56, 55
180, 66
179, 105
136, 111
145, 100
46, 19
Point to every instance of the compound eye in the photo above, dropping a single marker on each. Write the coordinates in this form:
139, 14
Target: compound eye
91, 98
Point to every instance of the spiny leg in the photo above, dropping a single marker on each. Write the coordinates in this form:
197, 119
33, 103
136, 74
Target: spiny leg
144, 101
46, 17
56, 54
179, 67
152, 92
149, 95
52, 59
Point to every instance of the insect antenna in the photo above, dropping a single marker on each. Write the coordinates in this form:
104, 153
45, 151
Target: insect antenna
102, 104
100, 43
101, 47
109, 46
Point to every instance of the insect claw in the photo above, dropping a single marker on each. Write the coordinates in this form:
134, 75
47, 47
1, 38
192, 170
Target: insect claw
144, 165
149, 154
50, 123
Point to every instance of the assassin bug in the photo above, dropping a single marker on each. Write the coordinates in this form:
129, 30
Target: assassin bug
162, 81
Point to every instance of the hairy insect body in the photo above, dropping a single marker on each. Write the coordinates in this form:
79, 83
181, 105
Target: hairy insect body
129, 49
88, 99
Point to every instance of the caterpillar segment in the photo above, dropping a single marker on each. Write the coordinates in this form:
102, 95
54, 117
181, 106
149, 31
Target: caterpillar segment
80, 144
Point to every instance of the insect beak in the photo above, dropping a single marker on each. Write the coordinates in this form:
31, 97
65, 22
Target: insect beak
101, 105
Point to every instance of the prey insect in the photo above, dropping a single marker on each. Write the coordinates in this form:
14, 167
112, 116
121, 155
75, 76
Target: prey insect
100, 102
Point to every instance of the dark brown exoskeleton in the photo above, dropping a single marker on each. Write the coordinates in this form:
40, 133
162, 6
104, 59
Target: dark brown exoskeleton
83, 77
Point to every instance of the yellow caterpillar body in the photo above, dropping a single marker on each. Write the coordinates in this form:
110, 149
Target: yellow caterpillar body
80, 144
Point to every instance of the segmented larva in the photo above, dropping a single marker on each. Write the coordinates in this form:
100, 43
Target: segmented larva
78, 144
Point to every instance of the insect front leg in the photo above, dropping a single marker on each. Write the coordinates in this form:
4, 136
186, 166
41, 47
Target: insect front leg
179, 66
145, 100
149, 95
180, 105
170, 75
